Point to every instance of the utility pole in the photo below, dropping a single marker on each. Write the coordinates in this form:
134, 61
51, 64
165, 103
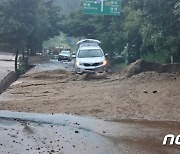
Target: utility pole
102, 5
16, 59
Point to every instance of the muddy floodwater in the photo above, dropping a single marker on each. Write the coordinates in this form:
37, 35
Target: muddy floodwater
32, 133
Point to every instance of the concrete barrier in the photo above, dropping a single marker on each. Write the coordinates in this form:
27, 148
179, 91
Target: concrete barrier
7, 81
36, 59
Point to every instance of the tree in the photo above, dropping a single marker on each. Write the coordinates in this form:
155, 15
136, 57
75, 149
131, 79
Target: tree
27, 23
16, 23
77, 25
46, 25
148, 27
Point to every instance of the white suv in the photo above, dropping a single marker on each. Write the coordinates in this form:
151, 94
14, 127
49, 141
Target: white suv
90, 57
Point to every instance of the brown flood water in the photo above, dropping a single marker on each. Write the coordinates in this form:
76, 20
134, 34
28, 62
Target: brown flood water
32, 133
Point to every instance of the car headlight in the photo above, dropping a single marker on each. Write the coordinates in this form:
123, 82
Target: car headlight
78, 63
104, 62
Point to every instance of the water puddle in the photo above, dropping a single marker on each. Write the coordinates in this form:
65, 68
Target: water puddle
61, 133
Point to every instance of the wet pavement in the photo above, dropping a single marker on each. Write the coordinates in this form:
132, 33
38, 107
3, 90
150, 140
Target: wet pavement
60, 133
53, 65
6, 64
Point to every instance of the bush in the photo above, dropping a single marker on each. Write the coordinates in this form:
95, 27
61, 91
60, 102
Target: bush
21, 67
155, 57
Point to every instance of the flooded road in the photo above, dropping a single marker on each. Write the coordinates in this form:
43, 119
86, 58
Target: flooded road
6, 64
58, 92
53, 65
60, 133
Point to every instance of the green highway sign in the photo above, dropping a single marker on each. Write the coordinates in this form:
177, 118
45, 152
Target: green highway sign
102, 7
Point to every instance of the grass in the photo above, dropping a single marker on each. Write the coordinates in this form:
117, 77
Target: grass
155, 57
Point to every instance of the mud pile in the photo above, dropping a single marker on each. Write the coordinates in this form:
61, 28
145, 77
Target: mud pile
147, 95
154, 77
45, 75
143, 66
63, 75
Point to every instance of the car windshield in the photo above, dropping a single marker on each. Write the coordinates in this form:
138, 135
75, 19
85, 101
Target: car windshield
65, 52
90, 53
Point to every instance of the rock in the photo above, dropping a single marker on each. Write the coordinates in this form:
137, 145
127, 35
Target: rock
52, 151
76, 124
76, 131
144, 91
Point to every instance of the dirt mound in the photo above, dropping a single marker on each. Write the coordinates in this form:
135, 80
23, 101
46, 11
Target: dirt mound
62, 74
150, 77
147, 95
143, 66
55, 74
95, 76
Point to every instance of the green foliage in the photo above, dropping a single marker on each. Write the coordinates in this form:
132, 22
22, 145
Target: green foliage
148, 27
155, 57
21, 66
27, 23
57, 41
14, 23
47, 24
177, 9
67, 6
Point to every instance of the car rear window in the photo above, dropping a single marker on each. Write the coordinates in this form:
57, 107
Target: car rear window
65, 52
90, 53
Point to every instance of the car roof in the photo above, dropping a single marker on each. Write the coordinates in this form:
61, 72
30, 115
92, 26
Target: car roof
88, 41
65, 51
88, 44
89, 47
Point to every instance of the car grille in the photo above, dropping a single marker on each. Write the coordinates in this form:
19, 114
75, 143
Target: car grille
93, 64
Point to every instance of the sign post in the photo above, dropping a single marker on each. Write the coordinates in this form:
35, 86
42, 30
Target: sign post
101, 7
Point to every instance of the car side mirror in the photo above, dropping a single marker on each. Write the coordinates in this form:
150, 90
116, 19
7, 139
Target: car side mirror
73, 56
106, 55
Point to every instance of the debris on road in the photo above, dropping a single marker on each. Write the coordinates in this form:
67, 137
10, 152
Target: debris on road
144, 91
117, 138
111, 97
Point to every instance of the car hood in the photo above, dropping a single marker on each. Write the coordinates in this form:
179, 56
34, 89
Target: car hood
91, 60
